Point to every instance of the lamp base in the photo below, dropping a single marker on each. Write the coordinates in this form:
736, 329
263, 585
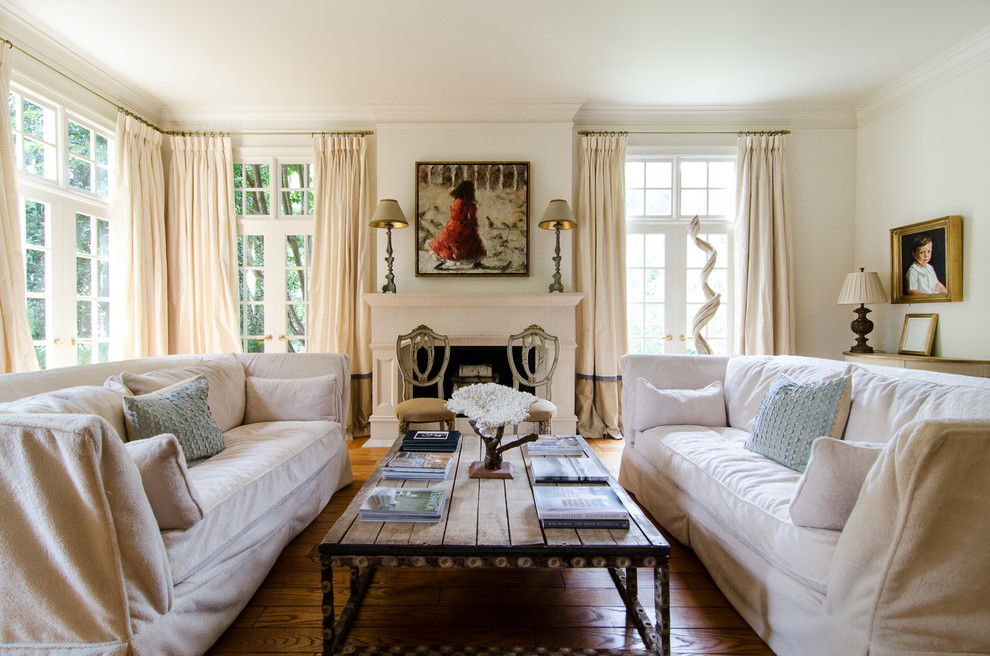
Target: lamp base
862, 327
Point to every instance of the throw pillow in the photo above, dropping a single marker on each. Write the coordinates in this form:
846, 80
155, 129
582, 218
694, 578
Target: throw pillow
286, 399
656, 407
224, 373
180, 409
162, 465
828, 488
792, 416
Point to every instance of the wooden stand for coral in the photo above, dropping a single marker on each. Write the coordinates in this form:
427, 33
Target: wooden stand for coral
493, 466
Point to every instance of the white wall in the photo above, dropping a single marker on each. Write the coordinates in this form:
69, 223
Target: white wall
924, 159
548, 149
822, 178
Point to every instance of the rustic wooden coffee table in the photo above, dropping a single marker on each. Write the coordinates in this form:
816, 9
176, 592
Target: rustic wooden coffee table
491, 523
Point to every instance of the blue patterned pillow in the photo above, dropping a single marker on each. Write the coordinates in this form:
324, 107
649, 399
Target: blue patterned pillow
792, 416
180, 409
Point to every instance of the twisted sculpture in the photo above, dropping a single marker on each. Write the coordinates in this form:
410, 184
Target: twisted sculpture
708, 310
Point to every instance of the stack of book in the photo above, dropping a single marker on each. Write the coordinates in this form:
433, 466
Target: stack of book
389, 504
580, 507
582, 471
418, 465
556, 445
445, 441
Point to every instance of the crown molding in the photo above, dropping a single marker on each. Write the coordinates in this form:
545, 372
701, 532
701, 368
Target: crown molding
265, 118
530, 112
715, 117
954, 62
88, 78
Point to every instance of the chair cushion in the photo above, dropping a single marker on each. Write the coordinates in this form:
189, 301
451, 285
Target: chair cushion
541, 410
423, 410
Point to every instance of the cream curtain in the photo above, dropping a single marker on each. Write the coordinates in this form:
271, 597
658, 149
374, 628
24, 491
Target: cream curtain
765, 324
202, 241
340, 321
16, 350
140, 300
600, 273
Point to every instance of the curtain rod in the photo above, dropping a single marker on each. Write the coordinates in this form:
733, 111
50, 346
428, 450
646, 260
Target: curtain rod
151, 125
613, 133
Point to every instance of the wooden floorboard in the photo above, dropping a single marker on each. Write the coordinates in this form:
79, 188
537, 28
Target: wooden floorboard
544, 608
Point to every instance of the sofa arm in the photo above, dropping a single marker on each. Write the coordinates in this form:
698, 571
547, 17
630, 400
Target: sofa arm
909, 573
665, 372
83, 560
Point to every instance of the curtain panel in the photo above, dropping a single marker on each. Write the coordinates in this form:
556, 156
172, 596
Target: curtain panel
764, 320
201, 251
138, 285
16, 350
600, 273
340, 321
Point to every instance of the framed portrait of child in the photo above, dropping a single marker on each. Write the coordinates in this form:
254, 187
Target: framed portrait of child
926, 261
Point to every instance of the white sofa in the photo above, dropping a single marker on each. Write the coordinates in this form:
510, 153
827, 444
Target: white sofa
107, 550
903, 568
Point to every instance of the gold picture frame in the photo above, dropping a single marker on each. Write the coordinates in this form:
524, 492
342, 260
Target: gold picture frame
918, 334
939, 279
472, 219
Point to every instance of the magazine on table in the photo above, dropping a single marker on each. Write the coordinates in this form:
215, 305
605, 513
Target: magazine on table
556, 445
568, 470
578, 502
389, 504
420, 465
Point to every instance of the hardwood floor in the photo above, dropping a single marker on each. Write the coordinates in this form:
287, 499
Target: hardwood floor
578, 608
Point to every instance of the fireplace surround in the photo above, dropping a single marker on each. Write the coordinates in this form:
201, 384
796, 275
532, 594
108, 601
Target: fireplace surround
483, 320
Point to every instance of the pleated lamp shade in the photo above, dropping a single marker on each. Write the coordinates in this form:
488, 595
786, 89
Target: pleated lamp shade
862, 287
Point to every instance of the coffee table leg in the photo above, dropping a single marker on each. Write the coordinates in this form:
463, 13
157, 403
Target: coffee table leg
326, 587
661, 603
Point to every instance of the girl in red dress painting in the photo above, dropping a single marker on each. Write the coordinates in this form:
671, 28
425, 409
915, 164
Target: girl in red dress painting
459, 240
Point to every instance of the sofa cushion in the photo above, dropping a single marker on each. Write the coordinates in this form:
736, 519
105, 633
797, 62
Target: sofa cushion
656, 407
829, 486
748, 379
746, 493
180, 409
224, 373
164, 476
262, 463
792, 416
280, 399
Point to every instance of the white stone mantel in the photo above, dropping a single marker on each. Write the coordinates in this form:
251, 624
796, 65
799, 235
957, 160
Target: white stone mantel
468, 320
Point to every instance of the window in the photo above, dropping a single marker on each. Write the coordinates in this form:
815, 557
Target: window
64, 182
274, 252
663, 264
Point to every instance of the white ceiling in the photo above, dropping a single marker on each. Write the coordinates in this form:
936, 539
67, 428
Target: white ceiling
329, 56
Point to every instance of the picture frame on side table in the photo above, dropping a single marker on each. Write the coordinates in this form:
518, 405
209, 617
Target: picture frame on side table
918, 334
472, 218
926, 261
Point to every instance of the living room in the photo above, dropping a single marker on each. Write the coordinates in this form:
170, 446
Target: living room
883, 104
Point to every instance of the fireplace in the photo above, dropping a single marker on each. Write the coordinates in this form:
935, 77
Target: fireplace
475, 364
478, 326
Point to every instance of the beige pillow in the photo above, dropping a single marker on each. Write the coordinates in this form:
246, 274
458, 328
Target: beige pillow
224, 374
163, 473
81, 399
828, 488
657, 407
286, 399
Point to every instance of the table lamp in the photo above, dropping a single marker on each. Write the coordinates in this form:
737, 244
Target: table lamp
862, 288
557, 217
388, 215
